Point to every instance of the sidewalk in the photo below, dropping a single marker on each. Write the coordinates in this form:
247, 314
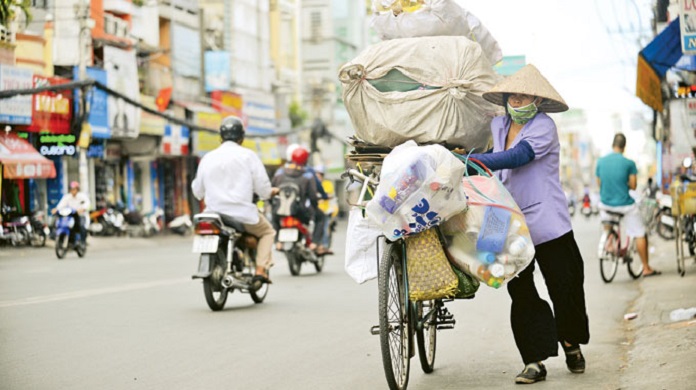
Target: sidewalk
661, 354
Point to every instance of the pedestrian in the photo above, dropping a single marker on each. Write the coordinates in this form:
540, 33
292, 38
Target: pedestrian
227, 179
525, 157
616, 175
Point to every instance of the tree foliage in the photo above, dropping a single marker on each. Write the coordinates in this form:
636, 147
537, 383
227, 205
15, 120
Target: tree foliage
9, 9
297, 114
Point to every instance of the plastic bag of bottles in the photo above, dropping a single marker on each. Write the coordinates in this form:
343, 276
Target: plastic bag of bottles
490, 240
420, 187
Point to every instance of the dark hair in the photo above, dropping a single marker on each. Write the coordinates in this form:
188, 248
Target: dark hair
619, 141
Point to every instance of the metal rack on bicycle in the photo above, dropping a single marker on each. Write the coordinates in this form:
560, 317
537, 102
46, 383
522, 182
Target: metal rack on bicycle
684, 212
400, 317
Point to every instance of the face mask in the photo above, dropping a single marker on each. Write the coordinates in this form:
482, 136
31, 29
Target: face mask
522, 115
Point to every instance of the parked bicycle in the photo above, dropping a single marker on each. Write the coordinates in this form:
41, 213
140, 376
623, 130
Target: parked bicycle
613, 249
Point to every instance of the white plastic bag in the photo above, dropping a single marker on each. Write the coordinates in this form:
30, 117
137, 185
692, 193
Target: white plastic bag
449, 108
435, 18
361, 247
489, 241
420, 187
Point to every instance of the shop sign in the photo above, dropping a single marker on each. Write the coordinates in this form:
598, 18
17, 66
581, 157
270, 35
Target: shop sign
227, 102
267, 150
204, 142
687, 15
211, 120
16, 110
648, 85
175, 140
96, 151
150, 124
51, 111
57, 144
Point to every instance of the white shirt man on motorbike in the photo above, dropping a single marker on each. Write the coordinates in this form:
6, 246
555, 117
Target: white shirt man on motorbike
227, 179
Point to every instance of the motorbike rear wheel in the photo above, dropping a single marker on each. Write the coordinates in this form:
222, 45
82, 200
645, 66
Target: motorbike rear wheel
294, 260
81, 248
61, 245
215, 293
259, 295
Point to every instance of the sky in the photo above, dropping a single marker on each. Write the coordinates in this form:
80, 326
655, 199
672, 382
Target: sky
587, 49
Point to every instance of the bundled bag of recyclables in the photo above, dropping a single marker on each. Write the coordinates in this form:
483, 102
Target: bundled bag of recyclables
419, 18
426, 89
420, 187
489, 241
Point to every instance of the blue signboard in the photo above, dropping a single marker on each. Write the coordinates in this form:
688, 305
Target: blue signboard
217, 71
98, 109
54, 187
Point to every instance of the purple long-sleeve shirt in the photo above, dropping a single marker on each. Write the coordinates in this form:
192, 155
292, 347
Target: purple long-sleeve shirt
536, 186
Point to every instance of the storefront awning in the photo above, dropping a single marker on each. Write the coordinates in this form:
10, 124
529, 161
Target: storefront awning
21, 161
661, 54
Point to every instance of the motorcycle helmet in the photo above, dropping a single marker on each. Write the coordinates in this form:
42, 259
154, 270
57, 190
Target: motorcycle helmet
74, 184
300, 156
232, 129
288, 152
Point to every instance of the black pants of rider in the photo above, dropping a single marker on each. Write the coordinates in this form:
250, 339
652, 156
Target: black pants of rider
81, 227
318, 234
538, 330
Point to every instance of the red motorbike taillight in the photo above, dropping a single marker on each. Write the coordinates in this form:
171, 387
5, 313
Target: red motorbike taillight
206, 228
290, 222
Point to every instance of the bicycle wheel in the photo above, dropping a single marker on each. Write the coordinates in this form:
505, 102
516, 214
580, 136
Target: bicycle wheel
608, 261
427, 335
633, 262
394, 328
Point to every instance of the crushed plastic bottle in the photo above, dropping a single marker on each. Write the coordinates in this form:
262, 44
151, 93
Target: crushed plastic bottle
683, 314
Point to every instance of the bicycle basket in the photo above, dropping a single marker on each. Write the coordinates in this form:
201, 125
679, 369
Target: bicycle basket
430, 274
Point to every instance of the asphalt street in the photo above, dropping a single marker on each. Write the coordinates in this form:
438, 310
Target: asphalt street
129, 316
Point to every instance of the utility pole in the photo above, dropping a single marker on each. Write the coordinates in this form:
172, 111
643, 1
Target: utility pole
82, 12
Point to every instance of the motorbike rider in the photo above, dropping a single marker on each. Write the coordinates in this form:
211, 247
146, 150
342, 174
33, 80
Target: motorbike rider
295, 172
227, 179
78, 201
327, 206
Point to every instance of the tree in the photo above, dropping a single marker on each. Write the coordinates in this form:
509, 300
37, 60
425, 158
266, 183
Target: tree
297, 114
9, 8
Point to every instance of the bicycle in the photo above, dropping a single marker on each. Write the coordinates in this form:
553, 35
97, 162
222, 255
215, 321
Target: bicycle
399, 317
611, 251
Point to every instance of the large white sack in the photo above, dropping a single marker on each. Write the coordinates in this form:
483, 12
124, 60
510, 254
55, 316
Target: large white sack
455, 113
437, 17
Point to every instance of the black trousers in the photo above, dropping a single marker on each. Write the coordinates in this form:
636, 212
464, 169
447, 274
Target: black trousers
536, 328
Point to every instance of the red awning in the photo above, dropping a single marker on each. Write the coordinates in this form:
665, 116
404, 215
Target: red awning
21, 161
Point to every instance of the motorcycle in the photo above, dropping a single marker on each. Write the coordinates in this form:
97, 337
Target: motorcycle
181, 225
227, 259
293, 235
68, 238
39, 229
151, 222
663, 221
586, 208
107, 221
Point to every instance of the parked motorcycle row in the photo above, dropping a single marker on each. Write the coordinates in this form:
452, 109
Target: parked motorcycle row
23, 230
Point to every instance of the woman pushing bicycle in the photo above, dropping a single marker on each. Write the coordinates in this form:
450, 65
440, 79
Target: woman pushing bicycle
525, 156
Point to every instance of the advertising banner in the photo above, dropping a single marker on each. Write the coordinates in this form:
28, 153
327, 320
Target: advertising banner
98, 118
687, 15
187, 46
16, 110
57, 144
175, 140
228, 103
51, 111
217, 70
150, 124
122, 76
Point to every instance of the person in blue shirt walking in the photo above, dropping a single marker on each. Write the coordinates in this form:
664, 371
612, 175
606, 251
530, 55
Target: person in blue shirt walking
616, 175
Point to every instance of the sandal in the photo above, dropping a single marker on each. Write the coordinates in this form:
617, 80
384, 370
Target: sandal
261, 279
653, 273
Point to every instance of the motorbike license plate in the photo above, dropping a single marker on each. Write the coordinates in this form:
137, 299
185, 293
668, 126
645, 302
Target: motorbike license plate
288, 235
667, 220
205, 244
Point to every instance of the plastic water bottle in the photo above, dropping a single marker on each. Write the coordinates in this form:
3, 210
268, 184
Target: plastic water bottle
683, 314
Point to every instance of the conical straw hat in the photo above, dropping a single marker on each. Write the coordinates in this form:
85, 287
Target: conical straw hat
528, 81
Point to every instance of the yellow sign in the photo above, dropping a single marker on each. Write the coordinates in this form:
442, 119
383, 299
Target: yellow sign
85, 136
267, 150
211, 120
648, 85
150, 124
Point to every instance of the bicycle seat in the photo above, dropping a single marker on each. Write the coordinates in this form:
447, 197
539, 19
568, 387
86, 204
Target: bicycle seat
614, 213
